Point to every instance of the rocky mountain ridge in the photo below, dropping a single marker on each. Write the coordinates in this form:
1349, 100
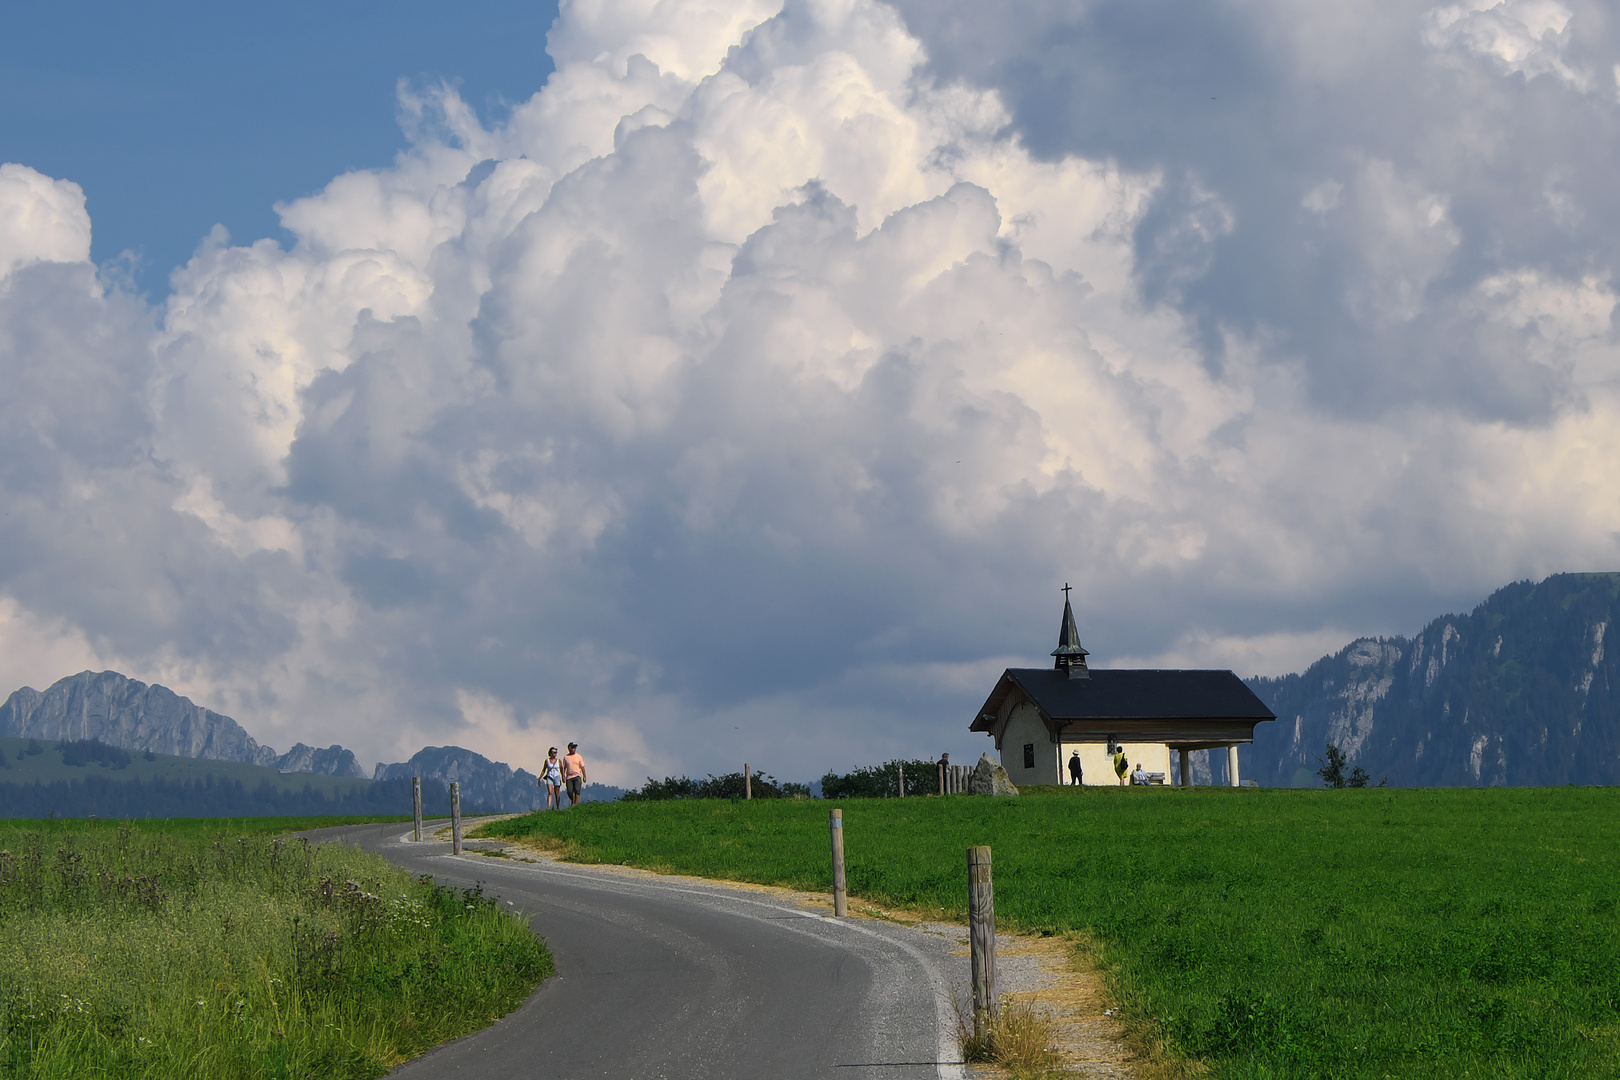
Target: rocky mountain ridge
136, 716
1521, 691
132, 715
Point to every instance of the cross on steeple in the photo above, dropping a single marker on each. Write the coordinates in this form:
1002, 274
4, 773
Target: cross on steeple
1065, 592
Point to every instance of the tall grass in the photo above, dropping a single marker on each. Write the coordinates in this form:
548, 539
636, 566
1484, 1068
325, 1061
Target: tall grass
1269, 933
194, 949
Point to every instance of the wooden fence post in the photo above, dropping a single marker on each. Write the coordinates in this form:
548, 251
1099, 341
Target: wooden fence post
748, 782
455, 818
900, 771
840, 895
941, 770
982, 938
416, 806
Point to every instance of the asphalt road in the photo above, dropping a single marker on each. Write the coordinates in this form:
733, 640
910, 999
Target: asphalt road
673, 979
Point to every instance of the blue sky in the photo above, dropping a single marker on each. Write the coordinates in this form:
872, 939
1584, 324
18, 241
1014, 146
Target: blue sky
176, 116
748, 388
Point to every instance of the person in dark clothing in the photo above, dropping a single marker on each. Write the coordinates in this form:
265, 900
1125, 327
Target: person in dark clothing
1074, 768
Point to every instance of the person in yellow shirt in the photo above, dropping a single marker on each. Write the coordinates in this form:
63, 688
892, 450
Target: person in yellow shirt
1120, 764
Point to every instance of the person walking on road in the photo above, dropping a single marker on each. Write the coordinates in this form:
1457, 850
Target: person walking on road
1074, 768
574, 774
551, 779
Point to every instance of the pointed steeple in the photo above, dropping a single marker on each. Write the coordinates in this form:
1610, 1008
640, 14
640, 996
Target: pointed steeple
1071, 657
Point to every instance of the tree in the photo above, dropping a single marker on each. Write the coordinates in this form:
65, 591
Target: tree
1332, 770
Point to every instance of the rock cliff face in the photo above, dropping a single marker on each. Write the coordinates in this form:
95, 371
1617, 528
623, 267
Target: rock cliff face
485, 784
332, 761
1522, 691
131, 715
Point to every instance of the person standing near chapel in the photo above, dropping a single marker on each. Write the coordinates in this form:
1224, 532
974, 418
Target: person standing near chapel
1074, 768
574, 774
1121, 766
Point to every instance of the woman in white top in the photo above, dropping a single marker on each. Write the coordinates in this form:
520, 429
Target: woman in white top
551, 779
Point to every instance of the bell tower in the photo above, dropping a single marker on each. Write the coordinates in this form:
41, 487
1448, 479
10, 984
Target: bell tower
1071, 657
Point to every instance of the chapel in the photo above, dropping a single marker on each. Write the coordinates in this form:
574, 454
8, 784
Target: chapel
1040, 717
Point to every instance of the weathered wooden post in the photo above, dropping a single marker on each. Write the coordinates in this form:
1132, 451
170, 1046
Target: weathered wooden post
840, 894
1186, 772
455, 818
900, 771
1231, 765
982, 938
416, 806
940, 768
748, 781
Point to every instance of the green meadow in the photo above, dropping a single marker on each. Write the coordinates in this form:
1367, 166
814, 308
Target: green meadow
1259, 933
217, 948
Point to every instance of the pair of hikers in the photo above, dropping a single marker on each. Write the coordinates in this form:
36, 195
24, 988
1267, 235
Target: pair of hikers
563, 774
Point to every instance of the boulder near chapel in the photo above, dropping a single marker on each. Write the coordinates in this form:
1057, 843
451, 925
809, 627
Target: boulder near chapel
1040, 717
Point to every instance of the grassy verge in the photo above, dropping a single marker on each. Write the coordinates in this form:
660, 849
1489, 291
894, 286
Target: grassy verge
216, 948
1270, 933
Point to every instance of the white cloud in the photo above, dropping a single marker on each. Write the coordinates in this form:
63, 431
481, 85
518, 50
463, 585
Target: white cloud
751, 388
41, 219
1522, 36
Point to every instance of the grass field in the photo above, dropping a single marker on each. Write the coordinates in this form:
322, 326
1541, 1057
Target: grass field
1263, 933
214, 948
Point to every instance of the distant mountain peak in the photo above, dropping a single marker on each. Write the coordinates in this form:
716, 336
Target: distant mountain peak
132, 715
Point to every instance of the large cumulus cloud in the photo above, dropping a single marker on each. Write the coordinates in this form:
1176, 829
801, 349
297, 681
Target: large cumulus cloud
749, 391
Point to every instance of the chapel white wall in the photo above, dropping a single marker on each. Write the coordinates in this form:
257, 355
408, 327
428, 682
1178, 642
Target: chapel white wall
1025, 728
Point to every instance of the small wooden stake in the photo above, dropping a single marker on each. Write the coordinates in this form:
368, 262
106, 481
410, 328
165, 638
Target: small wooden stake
900, 770
455, 818
416, 806
982, 938
840, 894
748, 782
941, 770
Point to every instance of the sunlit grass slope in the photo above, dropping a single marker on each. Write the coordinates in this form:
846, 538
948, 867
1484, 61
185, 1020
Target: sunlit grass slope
211, 948
1269, 933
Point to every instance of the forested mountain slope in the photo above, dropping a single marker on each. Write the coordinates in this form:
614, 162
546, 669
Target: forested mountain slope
1522, 691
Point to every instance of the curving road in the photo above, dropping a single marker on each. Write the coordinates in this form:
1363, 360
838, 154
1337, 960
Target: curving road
675, 979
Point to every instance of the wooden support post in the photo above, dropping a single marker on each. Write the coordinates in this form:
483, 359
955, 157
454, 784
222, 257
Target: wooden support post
416, 806
941, 770
455, 818
748, 781
982, 937
900, 771
840, 893
1231, 765
1186, 770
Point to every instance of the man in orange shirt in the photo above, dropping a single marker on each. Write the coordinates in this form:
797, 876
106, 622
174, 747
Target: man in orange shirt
574, 774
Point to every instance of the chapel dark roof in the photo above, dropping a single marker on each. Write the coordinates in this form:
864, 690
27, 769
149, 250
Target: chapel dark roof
1128, 694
